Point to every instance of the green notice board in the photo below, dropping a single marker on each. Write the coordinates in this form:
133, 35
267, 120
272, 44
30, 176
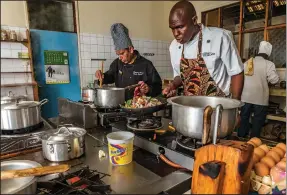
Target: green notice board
57, 67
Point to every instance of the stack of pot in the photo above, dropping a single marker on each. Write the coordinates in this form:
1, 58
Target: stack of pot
17, 114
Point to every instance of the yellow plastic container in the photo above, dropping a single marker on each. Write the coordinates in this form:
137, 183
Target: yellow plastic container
120, 147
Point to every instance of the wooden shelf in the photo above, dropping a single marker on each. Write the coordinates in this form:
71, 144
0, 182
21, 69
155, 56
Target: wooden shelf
277, 92
10, 41
18, 72
15, 58
276, 118
19, 84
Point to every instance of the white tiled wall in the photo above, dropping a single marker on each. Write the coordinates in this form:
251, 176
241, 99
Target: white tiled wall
10, 50
101, 47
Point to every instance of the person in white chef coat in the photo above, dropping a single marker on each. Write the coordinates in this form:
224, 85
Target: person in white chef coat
259, 72
205, 60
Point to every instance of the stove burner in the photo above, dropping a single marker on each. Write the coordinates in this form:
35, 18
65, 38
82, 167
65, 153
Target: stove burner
149, 123
84, 181
22, 130
188, 143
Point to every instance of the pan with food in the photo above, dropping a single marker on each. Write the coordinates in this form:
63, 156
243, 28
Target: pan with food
144, 105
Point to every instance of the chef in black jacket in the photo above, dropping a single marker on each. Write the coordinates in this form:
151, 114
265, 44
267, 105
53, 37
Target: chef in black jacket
130, 67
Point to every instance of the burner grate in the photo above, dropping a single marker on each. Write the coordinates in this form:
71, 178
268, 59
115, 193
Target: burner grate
144, 123
84, 181
188, 143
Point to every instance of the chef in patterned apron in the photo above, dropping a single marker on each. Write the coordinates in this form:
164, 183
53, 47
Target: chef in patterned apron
205, 60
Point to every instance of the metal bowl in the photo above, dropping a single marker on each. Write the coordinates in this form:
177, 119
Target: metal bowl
24, 185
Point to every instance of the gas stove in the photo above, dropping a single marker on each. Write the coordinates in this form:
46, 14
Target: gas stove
174, 146
161, 143
83, 181
22, 141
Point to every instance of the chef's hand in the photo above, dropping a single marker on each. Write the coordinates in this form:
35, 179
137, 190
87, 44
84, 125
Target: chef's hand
99, 75
169, 91
144, 88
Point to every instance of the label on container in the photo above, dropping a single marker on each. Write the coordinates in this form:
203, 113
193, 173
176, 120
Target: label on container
121, 154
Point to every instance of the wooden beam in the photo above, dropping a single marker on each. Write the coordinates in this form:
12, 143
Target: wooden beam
35, 86
219, 17
276, 26
266, 19
253, 30
240, 28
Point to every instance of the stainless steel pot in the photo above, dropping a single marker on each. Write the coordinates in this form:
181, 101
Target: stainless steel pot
109, 97
88, 94
188, 114
11, 98
23, 185
21, 115
65, 143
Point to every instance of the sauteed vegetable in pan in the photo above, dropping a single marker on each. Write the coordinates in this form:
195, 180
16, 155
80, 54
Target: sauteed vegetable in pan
142, 102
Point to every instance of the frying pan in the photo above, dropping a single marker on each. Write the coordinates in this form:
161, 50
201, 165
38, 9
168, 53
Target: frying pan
148, 110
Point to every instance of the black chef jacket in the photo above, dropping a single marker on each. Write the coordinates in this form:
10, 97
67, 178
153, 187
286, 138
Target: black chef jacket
129, 74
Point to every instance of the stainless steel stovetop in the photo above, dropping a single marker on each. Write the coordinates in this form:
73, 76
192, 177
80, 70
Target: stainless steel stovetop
165, 144
18, 142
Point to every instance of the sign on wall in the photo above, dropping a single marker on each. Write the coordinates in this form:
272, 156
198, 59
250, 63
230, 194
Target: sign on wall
56, 67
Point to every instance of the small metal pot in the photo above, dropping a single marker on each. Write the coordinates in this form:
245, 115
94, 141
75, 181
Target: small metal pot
88, 94
21, 115
23, 185
11, 98
63, 144
109, 97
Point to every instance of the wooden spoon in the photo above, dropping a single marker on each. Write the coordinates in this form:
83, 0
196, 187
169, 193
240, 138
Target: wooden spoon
10, 174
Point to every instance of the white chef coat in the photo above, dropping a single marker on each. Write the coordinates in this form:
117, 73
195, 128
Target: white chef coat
256, 90
218, 51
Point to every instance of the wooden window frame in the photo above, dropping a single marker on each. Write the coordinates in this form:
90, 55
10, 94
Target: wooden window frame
267, 25
74, 15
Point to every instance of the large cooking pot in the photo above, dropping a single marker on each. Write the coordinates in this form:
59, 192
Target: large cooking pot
188, 114
11, 98
109, 97
65, 143
21, 115
88, 94
23, 185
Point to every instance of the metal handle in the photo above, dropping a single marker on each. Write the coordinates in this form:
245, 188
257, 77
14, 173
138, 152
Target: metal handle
44, 101
65, 125
206, 124
64, 128
217, 123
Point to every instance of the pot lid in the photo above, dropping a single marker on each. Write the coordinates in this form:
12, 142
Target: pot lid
19, 105
64, 133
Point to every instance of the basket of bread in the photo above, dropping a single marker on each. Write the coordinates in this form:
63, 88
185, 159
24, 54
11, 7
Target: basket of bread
269, 168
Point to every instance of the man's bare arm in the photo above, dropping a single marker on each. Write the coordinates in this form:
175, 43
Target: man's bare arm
237, 82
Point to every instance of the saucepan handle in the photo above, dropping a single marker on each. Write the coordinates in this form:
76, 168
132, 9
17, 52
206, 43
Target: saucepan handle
217, 123
44, 101
206, 124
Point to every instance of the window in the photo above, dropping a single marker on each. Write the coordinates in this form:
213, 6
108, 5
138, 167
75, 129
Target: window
250, 27
277, 37
254, 14
51, 15
230, 17
250, 44
211, 18
278, 12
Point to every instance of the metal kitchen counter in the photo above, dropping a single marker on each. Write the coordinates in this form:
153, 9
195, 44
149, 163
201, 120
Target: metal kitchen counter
133, 178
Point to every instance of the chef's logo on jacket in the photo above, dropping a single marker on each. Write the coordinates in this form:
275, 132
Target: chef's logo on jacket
206, 54
138, 73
